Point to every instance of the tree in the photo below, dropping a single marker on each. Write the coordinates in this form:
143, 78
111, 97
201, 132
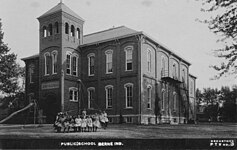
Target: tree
10, 71
224, 23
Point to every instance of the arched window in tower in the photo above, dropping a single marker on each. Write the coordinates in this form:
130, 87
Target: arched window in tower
74, 64
47, 63
148, 60
56, 27
31, 73
54, 62
50, 30
66, 28
44, 31
183, 76
78, 33
68, 63
72, 31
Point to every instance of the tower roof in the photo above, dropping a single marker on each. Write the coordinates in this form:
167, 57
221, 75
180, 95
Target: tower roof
61, 7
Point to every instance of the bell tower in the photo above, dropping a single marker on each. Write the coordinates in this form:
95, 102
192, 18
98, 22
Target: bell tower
60, 35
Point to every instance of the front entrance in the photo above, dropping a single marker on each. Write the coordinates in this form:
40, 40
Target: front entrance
51, 108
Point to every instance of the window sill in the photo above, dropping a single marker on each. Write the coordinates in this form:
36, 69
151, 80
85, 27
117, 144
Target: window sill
128, 108
109, 108
73, 100
109, 72
91, 75
46, 75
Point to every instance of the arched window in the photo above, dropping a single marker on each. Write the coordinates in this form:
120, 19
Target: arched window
54, 62
44, 31
109, 61
68, 62
174, 71
129, 51
109, 96
74, 64
163, 67
163, 100
78, 33
31, 73
149, 96
148, 60
184, 76
56, 27
91, 64
129, 95
174, 101
66, 28
47, 63
72, 31
50, 30
91, 95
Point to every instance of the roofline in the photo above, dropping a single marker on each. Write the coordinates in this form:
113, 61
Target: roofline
192, 76
107, 40
104, 30
30, 57
166, 48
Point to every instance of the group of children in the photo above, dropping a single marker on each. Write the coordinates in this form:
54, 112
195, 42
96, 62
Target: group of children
83, 123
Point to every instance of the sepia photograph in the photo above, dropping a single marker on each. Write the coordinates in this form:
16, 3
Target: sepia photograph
118, 74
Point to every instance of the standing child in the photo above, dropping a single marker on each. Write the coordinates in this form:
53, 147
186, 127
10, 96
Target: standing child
78, 123
83, 124
89, 123
96, 122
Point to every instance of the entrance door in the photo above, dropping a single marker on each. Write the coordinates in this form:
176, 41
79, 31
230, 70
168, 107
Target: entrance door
51, 108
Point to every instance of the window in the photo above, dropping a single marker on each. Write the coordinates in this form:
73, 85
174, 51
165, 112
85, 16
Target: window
163, 100
54, 62
129, 119
91, 64
66, 28
78, 33
129, 52
50, 30
68, 63
56, 27
191, 87
31, 73
149, 97
174, 101
149, 60
163, 67
91, 92
47, 63
109, 96
74, 65
109, 63
174, 71
128, 94
73, 94
44, 31
72, 31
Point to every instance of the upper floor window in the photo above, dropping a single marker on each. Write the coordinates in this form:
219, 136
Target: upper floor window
174, 71
163, 100
74, 64
109, 96
129, 60
66, 28
91, 64
56, 27
191, 87
54, 62
174, 101
31, 73
73, 94
128, 95
91, 93
72, 31
68, 63
78, 33
50, 30
148, 60
149, 97
47, 63
163, 66
109, 61
44, 31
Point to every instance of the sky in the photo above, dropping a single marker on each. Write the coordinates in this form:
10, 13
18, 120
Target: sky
171, 22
